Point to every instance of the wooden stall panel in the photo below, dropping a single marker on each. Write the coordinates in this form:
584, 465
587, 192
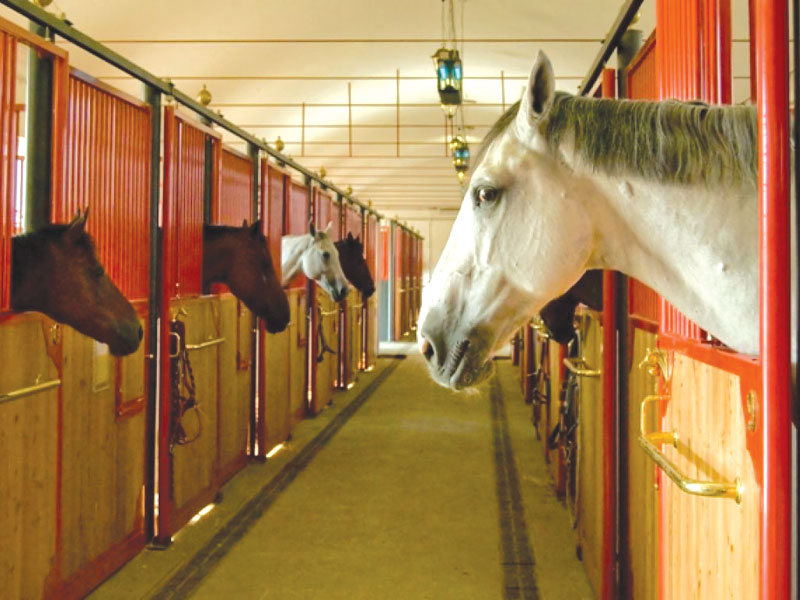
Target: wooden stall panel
589, 500
639, 506
188, 473
712, 550
235, 389
353, 308
274, 413
29, 441
370, 330
233, 206
298, 357
554, 452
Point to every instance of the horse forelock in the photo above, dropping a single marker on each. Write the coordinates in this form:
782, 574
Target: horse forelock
669, 141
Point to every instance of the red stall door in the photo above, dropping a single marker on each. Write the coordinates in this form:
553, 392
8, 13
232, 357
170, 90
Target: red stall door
189, 463
352, 308
296, 218
232, 207
273, 404
370, 308
324, 346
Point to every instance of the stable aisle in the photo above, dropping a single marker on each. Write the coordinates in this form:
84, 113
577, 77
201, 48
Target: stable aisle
401, 503
419, 492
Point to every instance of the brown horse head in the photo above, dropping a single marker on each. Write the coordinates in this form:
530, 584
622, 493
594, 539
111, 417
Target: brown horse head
558, 315
239, 258
55, 270
351, 255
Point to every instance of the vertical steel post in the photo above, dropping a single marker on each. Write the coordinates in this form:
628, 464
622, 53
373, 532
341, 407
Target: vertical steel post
255, 361
153, 98
608, 579
771, 43
39, 138
796, 333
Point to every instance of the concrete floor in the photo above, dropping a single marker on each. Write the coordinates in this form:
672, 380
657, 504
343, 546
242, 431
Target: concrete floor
420, 493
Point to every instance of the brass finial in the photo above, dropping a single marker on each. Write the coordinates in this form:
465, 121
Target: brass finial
322, 172
43, 3
349, 190
204, 96
279, 145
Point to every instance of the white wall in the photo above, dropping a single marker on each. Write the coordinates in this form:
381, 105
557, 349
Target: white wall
434, 225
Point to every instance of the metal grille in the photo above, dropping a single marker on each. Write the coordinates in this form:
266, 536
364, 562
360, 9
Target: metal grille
235, 203
107, 169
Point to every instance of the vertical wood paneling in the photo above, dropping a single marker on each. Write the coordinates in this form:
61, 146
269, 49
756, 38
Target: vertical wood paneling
712, 548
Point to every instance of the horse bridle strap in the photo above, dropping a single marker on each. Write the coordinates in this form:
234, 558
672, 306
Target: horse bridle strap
182, 387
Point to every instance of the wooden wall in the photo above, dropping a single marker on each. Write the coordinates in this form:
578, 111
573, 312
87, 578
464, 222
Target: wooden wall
28, 451
326, 368
298, 333
712, 546
276, 385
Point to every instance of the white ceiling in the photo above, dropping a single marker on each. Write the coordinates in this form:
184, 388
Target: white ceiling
351, 70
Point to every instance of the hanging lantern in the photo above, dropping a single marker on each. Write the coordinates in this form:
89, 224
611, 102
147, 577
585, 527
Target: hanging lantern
447, 63
460, 150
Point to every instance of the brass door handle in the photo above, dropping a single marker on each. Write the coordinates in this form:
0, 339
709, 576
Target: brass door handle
540, 329
649, 441
580, 371
206, 344
30, 390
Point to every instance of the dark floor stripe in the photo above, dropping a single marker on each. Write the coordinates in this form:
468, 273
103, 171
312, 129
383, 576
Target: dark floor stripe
518, 579
188, 577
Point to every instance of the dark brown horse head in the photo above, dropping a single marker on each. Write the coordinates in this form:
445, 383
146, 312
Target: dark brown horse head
239, 258
559, 314
351, 255
55, 271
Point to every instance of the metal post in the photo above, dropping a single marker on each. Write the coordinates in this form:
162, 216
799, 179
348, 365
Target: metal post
255, 363
38, 160
771, 42
629, 45
153, 98
796, 199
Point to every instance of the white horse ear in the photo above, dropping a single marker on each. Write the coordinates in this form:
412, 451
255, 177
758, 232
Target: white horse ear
311, 229
537, 99
329, 227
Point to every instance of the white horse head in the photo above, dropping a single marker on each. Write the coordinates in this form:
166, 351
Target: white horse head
315, 253
481, 291
563, 184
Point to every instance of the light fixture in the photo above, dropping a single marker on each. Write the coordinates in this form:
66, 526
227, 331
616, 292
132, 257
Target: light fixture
460, 149
447, 63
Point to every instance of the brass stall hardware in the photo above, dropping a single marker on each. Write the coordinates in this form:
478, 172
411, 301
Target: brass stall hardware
538, 326
657, 364
578, 367
328, 313
206, 344
650, 442
30, 390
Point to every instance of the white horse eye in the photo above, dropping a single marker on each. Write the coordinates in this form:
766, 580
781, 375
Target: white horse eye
487, 194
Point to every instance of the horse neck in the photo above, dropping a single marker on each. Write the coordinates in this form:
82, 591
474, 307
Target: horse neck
695, 245
217, 256
26, 280
292, 249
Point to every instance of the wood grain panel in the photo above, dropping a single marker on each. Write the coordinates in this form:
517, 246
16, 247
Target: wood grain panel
712, 550
235, 384
276, 348
28, 460
552, 455
640, 504
327, 367
589, 500
298, 361
102, 458
194, 465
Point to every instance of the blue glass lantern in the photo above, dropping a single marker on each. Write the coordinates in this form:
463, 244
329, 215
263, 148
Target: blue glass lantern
460, 150
447, 63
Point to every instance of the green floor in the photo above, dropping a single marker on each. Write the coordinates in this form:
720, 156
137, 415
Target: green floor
421, 493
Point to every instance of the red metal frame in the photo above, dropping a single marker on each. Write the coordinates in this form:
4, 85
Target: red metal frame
772, 67
8, 142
